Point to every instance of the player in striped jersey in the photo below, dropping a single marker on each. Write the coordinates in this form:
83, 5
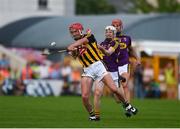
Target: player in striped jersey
86, 50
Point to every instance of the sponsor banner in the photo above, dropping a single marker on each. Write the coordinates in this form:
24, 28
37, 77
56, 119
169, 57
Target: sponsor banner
43, 87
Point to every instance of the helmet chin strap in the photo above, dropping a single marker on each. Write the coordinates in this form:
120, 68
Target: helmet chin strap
80, 32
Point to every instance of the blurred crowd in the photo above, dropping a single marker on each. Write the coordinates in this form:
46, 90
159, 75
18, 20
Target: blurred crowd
142, 83
147, 86
12, 80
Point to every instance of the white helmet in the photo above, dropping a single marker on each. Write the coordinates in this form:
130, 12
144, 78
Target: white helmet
112, 28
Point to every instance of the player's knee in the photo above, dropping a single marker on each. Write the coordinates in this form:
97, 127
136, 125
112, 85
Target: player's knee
85, 97
97, 94
114, 89
125, 86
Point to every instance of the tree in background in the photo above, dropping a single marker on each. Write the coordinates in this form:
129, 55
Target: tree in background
155, 6
127, 6
94, 7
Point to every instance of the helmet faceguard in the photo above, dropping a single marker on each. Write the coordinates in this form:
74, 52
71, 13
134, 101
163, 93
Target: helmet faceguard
111, 28
76, 27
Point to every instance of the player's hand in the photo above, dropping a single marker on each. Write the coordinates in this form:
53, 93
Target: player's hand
71, 48
74, 53
88, 31
100, 47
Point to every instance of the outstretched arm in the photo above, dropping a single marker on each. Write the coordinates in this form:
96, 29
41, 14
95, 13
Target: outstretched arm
106, 52
77, 43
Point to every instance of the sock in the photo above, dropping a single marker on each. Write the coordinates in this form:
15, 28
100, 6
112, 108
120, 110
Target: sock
125, 104
91, 113
97, 114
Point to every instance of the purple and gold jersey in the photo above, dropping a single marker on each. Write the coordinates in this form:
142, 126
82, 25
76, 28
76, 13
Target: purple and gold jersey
124, 43
110, 61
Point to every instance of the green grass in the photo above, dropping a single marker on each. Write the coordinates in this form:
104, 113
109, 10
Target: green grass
68, 112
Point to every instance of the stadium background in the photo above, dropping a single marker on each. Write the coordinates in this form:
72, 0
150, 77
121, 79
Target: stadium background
26, 28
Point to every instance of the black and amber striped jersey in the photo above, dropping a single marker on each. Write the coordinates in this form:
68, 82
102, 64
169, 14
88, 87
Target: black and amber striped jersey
89, 52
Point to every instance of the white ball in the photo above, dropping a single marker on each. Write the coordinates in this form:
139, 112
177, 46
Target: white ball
53, 44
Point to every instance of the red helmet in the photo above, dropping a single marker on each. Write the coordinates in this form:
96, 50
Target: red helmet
117, 22
76, 26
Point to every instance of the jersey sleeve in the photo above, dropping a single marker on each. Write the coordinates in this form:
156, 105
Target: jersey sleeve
101, 44
128, 39
91, 38
114, 44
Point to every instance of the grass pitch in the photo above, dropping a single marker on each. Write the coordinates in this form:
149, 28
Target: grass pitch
60, 112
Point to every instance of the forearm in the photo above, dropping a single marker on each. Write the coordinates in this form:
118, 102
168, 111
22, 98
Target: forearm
106, 52
77, 43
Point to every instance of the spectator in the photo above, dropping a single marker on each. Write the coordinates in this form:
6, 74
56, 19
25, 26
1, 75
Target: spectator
43, 71
7, 86
54, 71
170, 81
66, 74
4, 61
19, 87
27, 72
155, 90
148, 75
162, 84
138, 81
75, 79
